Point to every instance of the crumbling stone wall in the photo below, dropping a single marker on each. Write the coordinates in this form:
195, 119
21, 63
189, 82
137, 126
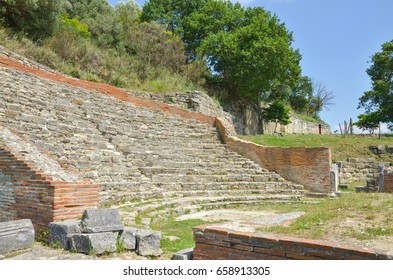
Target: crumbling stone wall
246, 118
358, 170
215, 243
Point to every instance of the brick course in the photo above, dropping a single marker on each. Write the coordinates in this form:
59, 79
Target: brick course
388, 180
36, 196
307, 166
213, 243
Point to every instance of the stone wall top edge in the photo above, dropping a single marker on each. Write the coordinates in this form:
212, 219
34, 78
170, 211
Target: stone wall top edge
280, 238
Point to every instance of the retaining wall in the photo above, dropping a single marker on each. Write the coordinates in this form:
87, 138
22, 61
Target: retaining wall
307, 166
215, 243
357, 170
28, 192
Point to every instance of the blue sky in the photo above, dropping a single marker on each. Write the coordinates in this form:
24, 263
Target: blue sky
336, 39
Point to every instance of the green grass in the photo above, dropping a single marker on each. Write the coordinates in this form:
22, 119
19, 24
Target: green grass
371, 213
343, 147
181, 229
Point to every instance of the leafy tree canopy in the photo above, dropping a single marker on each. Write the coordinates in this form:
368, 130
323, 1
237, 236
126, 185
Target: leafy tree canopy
38, 19
248, 50
277, 112
378, 102
367, 122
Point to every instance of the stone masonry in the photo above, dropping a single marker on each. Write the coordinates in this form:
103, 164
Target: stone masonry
135, 154
137, 150
34, 185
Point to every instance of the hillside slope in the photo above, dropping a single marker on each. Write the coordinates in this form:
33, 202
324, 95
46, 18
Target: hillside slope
146, 156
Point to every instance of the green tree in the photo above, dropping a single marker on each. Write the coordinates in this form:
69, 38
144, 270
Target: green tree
301, 95
128, 13
277, 112
367, 122
38, 19
171, 13
101, 18
250, 52
378, 102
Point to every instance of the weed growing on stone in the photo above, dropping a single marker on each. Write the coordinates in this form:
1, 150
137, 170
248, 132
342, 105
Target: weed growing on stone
120, 247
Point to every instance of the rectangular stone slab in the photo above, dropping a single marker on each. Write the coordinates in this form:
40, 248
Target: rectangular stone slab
94, 243
16, 235
60, 231
101, 220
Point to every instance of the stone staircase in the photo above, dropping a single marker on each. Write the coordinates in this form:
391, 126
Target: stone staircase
145, 161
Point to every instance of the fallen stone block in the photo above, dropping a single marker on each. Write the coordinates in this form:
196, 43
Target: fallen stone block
94, 243
60, 231
101, 220
128, 237
148, 242
184, 255
16, 235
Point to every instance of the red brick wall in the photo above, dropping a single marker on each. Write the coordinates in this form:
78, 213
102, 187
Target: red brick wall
39, 198
213, 243
307, 166
388, 181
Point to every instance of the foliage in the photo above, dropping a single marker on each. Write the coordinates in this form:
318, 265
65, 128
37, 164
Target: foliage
301, 95
378, 102
171, 13
367, 122
36, 18
101, 19
154, 46
76, 25
248, 50
128, 13
277, 112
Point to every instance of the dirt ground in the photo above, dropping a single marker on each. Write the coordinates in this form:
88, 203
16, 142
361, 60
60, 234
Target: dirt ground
253, 221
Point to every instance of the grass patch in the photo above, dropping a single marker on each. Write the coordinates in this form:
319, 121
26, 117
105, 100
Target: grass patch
181, 229
343, 147
360, 216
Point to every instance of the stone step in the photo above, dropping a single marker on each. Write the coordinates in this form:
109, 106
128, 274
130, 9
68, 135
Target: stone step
195, 186
219, 170
162, 209
239, 163
240, 177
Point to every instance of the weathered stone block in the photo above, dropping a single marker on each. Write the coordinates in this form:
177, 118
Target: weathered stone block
128, 237
148, 242
101, 220
186, 254
94, 243
16, 235
60, 231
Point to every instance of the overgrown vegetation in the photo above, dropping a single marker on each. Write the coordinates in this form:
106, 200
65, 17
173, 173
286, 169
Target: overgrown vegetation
378, 101
225, 49
342, 147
